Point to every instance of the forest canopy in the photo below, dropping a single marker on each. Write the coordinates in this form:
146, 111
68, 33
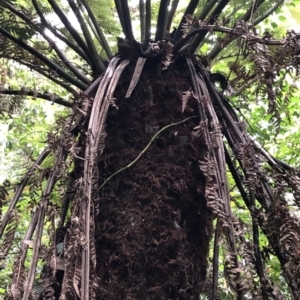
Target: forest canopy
150, 149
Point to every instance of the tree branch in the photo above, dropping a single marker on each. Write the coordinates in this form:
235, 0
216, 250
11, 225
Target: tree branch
127, 20
237, 178
45, 60
99, 31
232, 13
219, 47
21, 187
206, 9
148, 20
49, 97
162, 20
251, 10
189, 11
243, 87
59, 52
214, 16
59, 35
45, 74
220, 58
142, 18
120, 12
98, 63
238, 33
62, 84
171, 14
257, 255
216, 251
267, 13
69, 27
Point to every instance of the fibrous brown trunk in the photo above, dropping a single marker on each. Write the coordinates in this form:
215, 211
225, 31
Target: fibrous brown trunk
153, 228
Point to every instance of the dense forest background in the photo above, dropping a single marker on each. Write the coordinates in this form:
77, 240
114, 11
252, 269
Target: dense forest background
149, 149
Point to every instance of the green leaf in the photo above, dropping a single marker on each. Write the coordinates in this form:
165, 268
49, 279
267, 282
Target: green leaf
274, 25
282, 18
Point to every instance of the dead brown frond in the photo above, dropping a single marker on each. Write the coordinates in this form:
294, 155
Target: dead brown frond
186, 96
9, 235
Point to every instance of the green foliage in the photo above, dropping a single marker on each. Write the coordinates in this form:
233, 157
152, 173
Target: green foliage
106, 16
